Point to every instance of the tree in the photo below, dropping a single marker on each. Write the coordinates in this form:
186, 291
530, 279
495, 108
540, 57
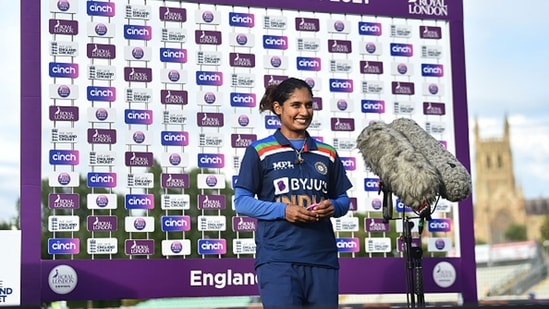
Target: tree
516, 232
544, 230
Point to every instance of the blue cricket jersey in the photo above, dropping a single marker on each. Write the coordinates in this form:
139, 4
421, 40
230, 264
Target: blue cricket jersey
270, 170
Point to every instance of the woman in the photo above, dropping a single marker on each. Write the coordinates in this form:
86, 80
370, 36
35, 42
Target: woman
293, 184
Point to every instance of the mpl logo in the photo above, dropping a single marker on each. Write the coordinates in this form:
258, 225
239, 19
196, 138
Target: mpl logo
101, 180
241, 20
139, 201
100, 93
212, 246
64, 157
176, 55
59, 69
242, 99
440, 225
371, 184
205, 78
175, 223
432, 70
272, 122
368, 28
308, 63
174, 138
275, 42
341, 85
100, 8
211, 160
402, 49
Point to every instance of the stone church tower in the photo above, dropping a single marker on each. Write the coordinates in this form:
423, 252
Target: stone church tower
498, 203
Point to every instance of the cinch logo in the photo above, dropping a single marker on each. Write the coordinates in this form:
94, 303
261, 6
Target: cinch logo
98, 93
139, 201
212, 246
367, 28
241, 19
432, 70
138, 116
242, 99
211, 160
403, 50
209, 78
101, 180
371, 184
308, 64
401, 207
348, 244
58, 69
373, 106
440, 225
136, 32
341, 85
178, 55
63, 245
272, 122
100, 8
275, 42
174, 138
175, 223
64, 157
349, 163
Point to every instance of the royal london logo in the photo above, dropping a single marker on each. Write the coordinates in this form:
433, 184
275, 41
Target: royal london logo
428, 7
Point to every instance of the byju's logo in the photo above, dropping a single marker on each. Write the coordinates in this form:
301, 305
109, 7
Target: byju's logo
275, 42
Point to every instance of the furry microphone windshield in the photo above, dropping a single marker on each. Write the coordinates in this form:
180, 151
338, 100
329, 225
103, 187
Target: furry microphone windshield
401, 169
455, 179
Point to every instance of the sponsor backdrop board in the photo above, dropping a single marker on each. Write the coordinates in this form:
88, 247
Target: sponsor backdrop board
110, 88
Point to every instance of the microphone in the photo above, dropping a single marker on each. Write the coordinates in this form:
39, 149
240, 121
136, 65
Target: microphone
412, 164
455, 179
402, 169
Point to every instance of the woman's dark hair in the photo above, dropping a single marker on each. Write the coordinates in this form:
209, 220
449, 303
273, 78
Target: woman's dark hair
281, 92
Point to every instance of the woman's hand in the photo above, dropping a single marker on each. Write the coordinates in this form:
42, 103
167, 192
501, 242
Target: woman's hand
295, 213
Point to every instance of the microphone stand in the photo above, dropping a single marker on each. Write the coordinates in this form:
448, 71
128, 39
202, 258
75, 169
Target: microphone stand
413, 255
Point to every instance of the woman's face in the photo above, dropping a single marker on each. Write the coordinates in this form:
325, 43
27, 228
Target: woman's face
296, 113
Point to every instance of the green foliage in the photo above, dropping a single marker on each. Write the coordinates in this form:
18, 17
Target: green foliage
544, 230
516, 232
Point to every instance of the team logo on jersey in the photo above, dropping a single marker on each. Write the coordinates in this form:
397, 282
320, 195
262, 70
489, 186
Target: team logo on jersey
321, 168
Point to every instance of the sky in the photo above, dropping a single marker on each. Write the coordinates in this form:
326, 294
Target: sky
506, 52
